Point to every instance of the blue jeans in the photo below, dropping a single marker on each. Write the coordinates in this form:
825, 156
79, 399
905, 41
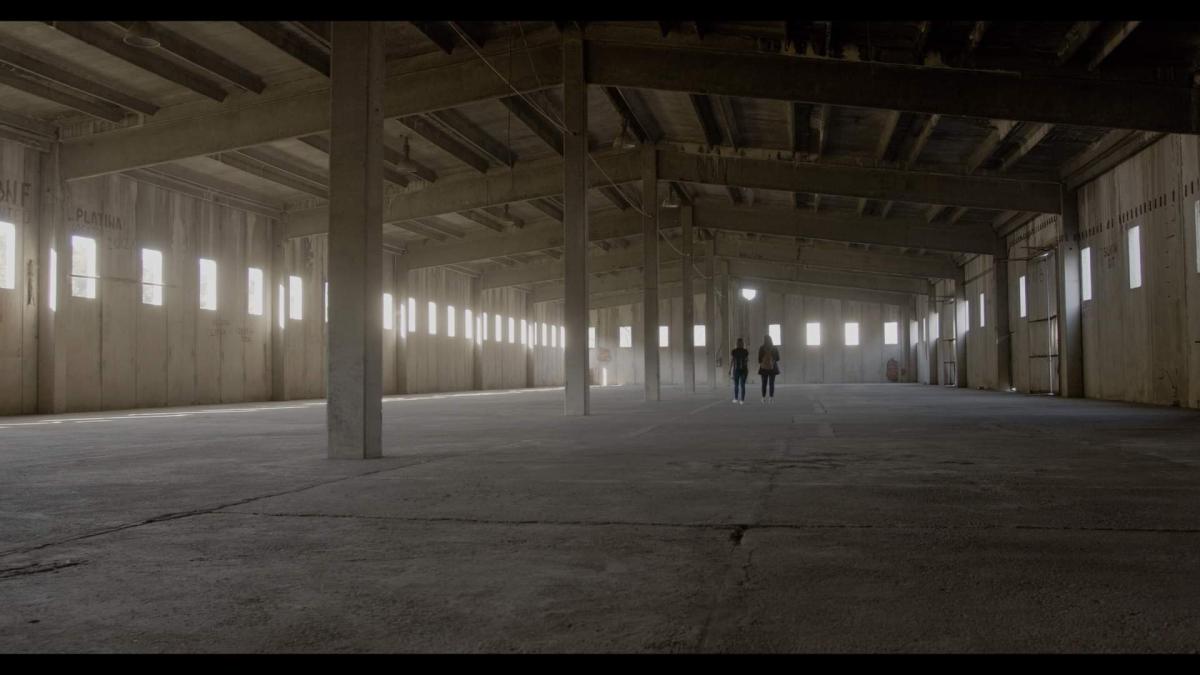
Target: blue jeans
739, 384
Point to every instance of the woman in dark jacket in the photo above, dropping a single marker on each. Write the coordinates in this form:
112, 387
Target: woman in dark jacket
768, 367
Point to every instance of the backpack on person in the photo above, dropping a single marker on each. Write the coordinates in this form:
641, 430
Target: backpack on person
767, 362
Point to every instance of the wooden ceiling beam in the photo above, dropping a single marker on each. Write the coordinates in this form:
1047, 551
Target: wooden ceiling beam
277, 33
445, 142
78, 81
104, 110
477, 138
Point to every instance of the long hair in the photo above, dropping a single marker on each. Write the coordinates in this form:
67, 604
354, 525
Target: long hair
741, 344
767, 342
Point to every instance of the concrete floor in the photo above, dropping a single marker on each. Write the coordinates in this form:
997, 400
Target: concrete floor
843, 518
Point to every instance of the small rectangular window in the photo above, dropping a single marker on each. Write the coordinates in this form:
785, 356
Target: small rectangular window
912, 333
412, 315
8, 255
468, 325
281, 299
432, 317
591, 337
891, 333
208, 284
533, 334
935, 326
254, 291
965, 316
664, 335
403, 321
483, 323
1135, 256
387, 312
851, 334
812, 334
1085, 272
83, 267
524, 332
562, 337
152, 277
325, 301
982, 312
553, 336
499, 334
52, 287
776, 333
625, 334
450, 327
1021, 291
699, 337
296, 298
512, 339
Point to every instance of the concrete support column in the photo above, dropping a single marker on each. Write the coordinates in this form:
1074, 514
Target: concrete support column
53, 324
650, 272
689, 302
278, 310
723, 300
1003, 333
710, 319
354, 408
1070, 304
962, 323
932, 316
401, 286
575, 223
529, 362
906, 343
476, 290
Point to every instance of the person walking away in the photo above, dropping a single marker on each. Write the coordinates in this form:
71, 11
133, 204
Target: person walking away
768, 368
739, 370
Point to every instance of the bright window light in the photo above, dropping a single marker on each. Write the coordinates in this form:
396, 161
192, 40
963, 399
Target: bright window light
8, 255
912, 332
281, 299
699, 337
935, 326
533, 334
254, 291
52, 287
776, 333
812, 334
965, 316
553, 336
296, 298
591, 337
468, 325
412, 315
851, 334
498, 336
387, 312
749, 293
982, 312
83, 267
403, 321
208, 284
1085, 272
664, 336
625, 334
1021, 291
152, 277
325, 300
450, 327
891, 333
562, 337
544, 341
524, 332
432, 317
512, 329
1135, 256
483, 323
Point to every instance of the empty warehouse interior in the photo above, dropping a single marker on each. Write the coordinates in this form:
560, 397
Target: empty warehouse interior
509, 263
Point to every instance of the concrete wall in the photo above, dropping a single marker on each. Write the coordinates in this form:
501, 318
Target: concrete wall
19, 200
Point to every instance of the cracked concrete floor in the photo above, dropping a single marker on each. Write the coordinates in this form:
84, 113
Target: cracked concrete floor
843, 518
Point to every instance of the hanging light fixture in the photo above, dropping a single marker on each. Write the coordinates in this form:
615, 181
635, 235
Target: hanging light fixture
137, 36
671, 202
624, 140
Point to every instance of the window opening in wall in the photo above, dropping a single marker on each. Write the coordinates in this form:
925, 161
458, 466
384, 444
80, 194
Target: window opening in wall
562, 337
851, 334
483, 323
891, 333
591, 337
776, 333
625, 336
412, 315
403, 321
982, 312
512, 338
912, 333
553, 336
450, 327
152, 277
524, 332
8, 255
604, 377
812, 334
325, 300
1085, 272
749, 293
544, 342
254, 291
699, 337
208, 284
935, 327
296, 298
52, 287
1021, 293
468, 325
533, 332
432, 319
83, 267
664, 336
280, 300
965, 316
387, 312
1135, 256
499, 335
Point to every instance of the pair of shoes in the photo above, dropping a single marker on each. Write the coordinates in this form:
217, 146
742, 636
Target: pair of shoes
741, 403
764, 400
735, 400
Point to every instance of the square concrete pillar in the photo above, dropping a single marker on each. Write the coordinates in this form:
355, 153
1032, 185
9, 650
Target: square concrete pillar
355, 377
650, 273
575, 224
962, 323
710, 318
1003, 334
689, 304
1070, 302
